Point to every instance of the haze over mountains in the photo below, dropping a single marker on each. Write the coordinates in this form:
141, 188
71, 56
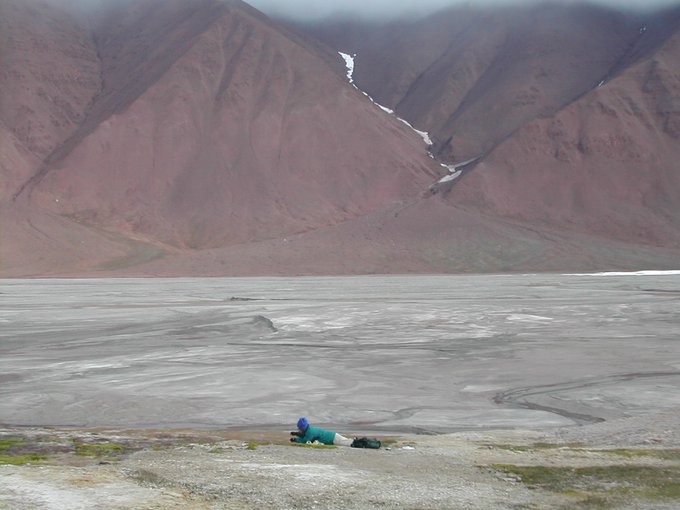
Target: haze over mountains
377, 10
197, 137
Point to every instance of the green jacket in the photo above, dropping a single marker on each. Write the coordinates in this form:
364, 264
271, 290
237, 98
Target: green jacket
316, 434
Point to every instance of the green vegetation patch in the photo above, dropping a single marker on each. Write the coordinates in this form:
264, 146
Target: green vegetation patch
657, 453
11, 452
99, 449
6, 444
671, 454
20, 460
608, 484
253, 445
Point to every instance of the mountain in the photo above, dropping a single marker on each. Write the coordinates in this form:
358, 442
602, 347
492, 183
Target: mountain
199, 137
185, 125
572, 109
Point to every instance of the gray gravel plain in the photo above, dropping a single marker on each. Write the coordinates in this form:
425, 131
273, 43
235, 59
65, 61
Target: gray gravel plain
404, 354
197, 381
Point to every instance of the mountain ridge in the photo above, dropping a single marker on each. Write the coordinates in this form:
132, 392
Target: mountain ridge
506, 91
457, 30
202, 138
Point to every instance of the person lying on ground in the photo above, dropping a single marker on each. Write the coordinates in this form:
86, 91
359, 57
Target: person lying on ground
307, 433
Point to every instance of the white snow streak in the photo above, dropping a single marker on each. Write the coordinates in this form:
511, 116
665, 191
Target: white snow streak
423, 134
454, 171
383, 108
349, 63
631, 273
450, 177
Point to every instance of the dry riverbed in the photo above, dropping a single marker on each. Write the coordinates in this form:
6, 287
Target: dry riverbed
629, 463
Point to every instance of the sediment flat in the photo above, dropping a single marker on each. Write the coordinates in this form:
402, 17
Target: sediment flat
188, 387
429, 354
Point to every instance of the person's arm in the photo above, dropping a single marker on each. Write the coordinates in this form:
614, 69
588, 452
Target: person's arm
310, 435
303, 439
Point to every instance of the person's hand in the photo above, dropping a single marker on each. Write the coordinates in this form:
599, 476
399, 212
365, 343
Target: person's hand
292, 440
296, 433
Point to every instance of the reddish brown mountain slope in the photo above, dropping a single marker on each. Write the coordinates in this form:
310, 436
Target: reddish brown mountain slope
180, 137
49, 73
573, 109
212, 126
606, 164
247, 135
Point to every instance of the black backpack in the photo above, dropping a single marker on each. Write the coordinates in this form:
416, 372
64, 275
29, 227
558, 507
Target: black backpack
364, 442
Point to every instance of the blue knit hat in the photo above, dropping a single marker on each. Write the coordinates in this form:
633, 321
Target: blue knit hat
302, 424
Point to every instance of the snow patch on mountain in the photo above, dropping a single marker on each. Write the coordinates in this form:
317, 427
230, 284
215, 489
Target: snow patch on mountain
450, 177
349, 63
454, 170
423, 134
629, 273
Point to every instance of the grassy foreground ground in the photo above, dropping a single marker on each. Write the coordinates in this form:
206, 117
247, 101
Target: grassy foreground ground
161, 469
